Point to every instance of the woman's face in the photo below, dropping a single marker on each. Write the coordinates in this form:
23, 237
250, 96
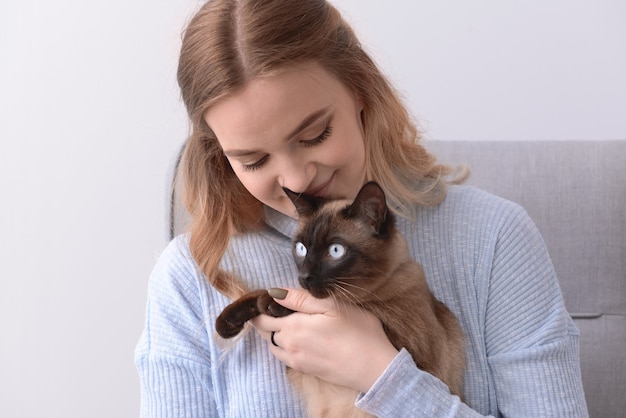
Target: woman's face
300, 129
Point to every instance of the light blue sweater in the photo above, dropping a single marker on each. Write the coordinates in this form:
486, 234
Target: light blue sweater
483, 257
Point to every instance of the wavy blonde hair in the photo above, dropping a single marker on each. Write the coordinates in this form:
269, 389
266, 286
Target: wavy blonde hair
229, 42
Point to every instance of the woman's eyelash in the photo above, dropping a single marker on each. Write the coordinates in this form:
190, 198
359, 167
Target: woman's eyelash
319, 139
309, 143
255, 165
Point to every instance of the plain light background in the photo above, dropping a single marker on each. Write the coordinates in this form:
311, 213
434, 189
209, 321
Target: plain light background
90, 121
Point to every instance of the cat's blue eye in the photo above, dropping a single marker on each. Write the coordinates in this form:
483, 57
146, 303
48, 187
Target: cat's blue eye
336, 250
300, 250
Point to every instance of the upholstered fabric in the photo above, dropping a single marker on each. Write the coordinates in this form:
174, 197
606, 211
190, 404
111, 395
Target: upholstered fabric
575, 191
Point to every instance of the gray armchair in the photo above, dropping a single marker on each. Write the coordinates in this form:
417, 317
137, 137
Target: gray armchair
576, 193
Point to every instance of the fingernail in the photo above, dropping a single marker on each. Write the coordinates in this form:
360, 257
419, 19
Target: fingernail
277, 293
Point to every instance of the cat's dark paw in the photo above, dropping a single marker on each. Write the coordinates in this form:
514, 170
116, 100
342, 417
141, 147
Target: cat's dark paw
269, 306
227, 328
232, 319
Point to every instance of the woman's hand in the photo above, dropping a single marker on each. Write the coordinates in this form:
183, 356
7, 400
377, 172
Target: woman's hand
341, 344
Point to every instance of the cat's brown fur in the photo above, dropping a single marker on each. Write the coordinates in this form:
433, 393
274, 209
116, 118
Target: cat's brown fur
376, 273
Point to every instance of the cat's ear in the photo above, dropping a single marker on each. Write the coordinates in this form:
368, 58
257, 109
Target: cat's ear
305, 204
369, 206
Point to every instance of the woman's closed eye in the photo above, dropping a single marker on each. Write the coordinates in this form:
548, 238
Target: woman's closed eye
320, 138
306, 143
255, 165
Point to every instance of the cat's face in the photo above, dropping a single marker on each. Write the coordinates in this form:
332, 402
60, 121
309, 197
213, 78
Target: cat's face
340, 248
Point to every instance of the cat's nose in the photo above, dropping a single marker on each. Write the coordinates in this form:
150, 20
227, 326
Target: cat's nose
318, 288
306, 280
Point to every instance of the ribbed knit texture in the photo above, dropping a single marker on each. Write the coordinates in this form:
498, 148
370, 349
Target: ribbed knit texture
483, 257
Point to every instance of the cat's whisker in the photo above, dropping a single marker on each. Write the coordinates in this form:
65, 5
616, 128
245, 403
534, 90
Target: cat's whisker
346, 280
339, 294
336, 300
348, 298
348, 295
371, 294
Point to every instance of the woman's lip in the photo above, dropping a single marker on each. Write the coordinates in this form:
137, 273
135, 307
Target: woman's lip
321, 190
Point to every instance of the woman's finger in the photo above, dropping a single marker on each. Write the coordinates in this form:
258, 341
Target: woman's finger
300, 300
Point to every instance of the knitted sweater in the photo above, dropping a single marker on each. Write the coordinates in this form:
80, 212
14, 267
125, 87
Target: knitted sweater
483, 257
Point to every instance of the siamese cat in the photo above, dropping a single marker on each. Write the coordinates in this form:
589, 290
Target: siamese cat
352, 252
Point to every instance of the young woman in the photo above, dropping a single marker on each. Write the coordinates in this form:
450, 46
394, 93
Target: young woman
281, 94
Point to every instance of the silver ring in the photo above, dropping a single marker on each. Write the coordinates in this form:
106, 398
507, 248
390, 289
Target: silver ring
272, 339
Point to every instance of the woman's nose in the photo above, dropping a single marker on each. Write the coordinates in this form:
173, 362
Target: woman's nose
297, 175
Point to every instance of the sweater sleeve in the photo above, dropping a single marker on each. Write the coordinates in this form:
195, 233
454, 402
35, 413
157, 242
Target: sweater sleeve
174, 372
405, 391
531, 342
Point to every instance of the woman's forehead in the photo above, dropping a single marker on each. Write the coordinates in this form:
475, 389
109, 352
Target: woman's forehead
275, 105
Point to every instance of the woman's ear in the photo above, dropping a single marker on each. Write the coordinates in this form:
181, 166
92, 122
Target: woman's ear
359, 102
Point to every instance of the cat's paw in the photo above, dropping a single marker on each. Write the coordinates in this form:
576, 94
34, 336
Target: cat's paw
232, 319
226, 328
269, 306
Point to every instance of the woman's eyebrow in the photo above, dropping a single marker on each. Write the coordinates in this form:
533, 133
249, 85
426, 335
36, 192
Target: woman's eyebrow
306, 122
240, 153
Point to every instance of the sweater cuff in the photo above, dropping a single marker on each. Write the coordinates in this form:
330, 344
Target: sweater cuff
403, 387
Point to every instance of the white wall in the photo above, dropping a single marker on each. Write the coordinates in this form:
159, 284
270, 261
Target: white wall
90, 120
503, 70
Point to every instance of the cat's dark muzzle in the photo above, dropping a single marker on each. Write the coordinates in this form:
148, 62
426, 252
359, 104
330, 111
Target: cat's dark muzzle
315, 288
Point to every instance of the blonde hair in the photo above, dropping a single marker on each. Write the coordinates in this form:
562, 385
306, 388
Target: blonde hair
229, 42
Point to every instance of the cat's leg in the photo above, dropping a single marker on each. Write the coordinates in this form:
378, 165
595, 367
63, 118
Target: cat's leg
230, 322
232, 319
269, 306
